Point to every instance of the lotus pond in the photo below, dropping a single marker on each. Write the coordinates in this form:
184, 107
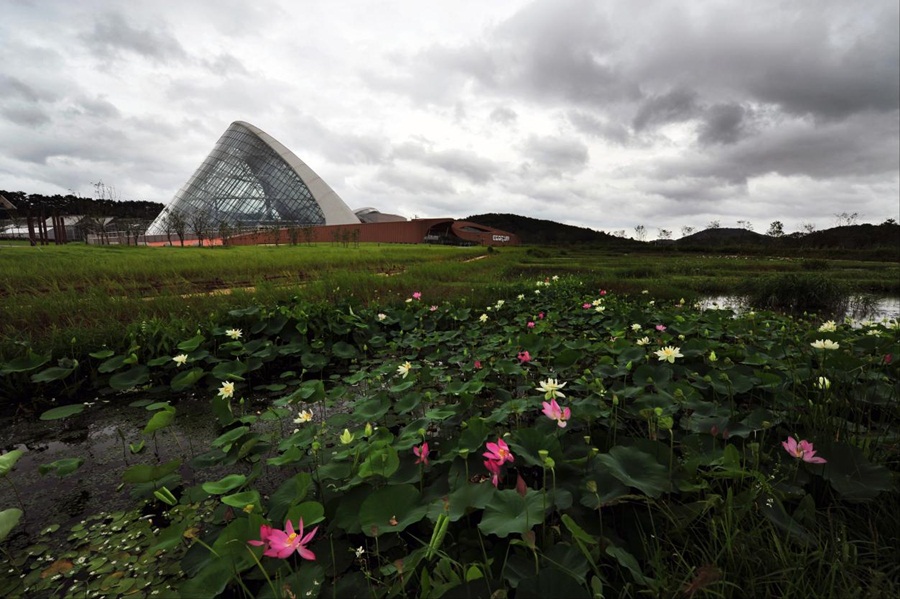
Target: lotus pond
560, 442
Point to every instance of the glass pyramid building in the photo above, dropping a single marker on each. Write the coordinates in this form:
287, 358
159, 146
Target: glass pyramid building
249, 181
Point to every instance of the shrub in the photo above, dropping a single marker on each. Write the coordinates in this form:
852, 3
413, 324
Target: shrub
815, 264
794, 293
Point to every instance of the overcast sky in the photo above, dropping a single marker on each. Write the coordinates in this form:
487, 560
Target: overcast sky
604, 114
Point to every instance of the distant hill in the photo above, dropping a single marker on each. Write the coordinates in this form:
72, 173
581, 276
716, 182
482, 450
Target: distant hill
852, 237
870, 242
849, 237
725, 236
538, 231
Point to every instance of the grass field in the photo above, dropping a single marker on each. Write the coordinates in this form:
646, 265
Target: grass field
69, 299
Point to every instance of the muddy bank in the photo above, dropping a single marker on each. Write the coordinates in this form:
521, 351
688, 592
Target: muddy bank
101, 436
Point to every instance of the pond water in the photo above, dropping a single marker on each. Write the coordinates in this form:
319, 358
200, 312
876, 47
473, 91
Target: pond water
862, 308
101, 436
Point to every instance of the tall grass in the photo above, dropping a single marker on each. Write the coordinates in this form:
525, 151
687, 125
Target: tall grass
795, 293
53, 295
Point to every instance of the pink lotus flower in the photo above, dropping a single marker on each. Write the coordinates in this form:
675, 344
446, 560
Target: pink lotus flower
586, 305
433, 308
660, 327
530, 324
603, 292
554, 412
802, 450
282, 543
498, 452
524, 357
888, 358
422, 454
417, 295
477, 364
494, 469
540, 316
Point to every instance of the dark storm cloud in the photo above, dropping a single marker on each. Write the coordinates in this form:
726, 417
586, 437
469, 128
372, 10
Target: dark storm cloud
560, 50
545, 52
830, 60
673, 107
859, 146
25, 104
112, 36
723, 124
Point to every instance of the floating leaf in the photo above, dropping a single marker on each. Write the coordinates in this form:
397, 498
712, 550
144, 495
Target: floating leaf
54, 373
508, 512
144, 473
187, 379
851, 474
390, 509
24, 364
243, 499
290, 493
132, 377
111, 365
62, 412
382, 461
161, 419
226, 440
8, 520
9, 459
191, 344
344, 350
223, 485
637, 469
62, 467
311, 512
233, 370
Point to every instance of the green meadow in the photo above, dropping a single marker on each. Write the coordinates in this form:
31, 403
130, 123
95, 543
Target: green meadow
456, 422
74, 298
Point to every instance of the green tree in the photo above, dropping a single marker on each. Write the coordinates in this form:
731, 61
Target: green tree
776, 229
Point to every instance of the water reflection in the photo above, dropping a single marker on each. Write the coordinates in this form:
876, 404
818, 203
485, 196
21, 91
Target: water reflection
860, 308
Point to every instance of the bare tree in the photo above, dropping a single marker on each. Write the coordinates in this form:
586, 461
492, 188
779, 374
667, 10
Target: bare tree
845, 219
664, 234
133, 229
640, 232
167, 225
618, 233
179, 224
685, 231
308, 234
713, 224
745, 224
225, 231
199, 225
293, 234
807, 228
